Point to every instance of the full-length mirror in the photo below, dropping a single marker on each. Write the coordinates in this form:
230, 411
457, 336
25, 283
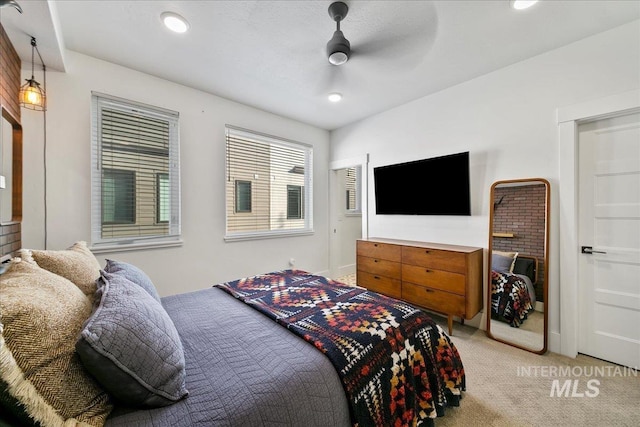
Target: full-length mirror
10, 169
6, 170
518, 248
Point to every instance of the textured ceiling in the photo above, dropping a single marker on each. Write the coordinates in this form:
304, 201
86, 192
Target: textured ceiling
271, 54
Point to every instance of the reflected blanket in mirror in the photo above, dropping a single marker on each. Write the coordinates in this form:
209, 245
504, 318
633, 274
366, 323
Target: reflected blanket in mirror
510, 298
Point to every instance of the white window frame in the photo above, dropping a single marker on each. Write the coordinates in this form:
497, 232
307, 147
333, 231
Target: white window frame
358, 194
307, 229
126, 243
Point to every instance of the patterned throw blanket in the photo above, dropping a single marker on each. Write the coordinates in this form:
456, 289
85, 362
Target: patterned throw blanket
398, 368
510, 299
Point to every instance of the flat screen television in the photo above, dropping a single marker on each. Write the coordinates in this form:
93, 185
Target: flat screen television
435, 186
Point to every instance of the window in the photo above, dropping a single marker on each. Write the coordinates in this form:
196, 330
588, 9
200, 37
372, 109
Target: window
295, 202
118, 196
352, 186
268, 188
135, 174
162, 198
243, 196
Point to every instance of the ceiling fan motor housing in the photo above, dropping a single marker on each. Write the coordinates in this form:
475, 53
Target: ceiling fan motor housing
338, 48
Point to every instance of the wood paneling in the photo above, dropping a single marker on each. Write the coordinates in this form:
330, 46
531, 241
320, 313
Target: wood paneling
11, 232
10, 76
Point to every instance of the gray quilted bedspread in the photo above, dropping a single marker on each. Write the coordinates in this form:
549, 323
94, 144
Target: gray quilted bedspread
243, 369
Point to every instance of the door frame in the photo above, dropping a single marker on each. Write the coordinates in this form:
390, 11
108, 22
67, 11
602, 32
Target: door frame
568, 119
363, 162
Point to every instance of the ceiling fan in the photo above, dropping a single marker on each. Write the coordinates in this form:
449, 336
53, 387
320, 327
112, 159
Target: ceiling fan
380, 46
338, 48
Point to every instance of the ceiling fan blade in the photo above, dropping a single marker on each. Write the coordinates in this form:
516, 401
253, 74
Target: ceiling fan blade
331, 79
392, 42
398, 51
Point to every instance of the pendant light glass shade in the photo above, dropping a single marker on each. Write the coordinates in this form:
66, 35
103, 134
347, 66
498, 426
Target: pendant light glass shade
31, 95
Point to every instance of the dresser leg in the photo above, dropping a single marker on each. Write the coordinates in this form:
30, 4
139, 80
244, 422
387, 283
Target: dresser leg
450, 323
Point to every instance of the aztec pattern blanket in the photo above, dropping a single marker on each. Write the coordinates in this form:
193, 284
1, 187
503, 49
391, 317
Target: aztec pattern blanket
510, 299
398, 367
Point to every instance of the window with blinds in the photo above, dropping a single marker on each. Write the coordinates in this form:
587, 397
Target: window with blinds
135, 173
268, 185
352, 186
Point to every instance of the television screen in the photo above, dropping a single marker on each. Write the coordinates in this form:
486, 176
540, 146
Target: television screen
435, 186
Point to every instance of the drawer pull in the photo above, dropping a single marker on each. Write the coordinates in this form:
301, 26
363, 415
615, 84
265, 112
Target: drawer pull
375, 260
426, 252
376, 277
375, 244
427, 271
428, 290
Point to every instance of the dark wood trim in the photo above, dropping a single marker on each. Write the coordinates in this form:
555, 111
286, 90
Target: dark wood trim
11, 231
16, 167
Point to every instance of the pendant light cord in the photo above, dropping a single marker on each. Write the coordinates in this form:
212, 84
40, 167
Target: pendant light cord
44, 154
34, 46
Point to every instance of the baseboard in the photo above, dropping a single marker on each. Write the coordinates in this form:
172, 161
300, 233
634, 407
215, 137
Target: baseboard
346, 270
539, 306
324, 273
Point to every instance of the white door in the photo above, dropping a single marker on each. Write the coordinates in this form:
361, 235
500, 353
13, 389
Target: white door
346, 221
609, 223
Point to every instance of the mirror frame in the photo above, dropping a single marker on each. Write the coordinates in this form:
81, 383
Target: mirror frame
545, 284
16, 168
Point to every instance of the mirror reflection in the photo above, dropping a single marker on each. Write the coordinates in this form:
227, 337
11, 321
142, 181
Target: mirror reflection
6, 171
518, 236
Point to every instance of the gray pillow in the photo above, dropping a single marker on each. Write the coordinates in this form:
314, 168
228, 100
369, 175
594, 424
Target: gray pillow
131, 346
501, 263
134, 274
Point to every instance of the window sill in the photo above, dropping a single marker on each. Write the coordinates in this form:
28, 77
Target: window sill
124, 247
267, 235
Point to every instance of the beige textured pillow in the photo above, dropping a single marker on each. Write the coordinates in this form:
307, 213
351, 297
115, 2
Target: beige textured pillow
41, 316
76, 263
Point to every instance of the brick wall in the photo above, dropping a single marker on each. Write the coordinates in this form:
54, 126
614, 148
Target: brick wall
10, 233
10, 76
10, 237
522, 212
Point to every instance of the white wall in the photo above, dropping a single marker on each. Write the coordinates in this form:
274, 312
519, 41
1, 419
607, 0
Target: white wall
507, 120
205, 258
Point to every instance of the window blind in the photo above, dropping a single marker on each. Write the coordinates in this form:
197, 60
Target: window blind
135, 172
352, 189
275, 172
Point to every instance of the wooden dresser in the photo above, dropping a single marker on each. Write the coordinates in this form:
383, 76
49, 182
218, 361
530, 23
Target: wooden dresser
443, 278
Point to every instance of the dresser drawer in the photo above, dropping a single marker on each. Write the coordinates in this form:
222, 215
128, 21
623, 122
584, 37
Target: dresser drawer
440, 301
381, 284
434, 258
379, 250
435, 279
380, 267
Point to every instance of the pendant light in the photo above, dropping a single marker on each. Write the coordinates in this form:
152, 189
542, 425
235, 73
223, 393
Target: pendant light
31, 95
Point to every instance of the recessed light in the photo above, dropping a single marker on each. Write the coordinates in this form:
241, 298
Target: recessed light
522, 4
174, 22
335, 97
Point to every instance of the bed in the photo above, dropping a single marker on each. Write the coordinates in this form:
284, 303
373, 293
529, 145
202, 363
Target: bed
284, 348
513, 294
